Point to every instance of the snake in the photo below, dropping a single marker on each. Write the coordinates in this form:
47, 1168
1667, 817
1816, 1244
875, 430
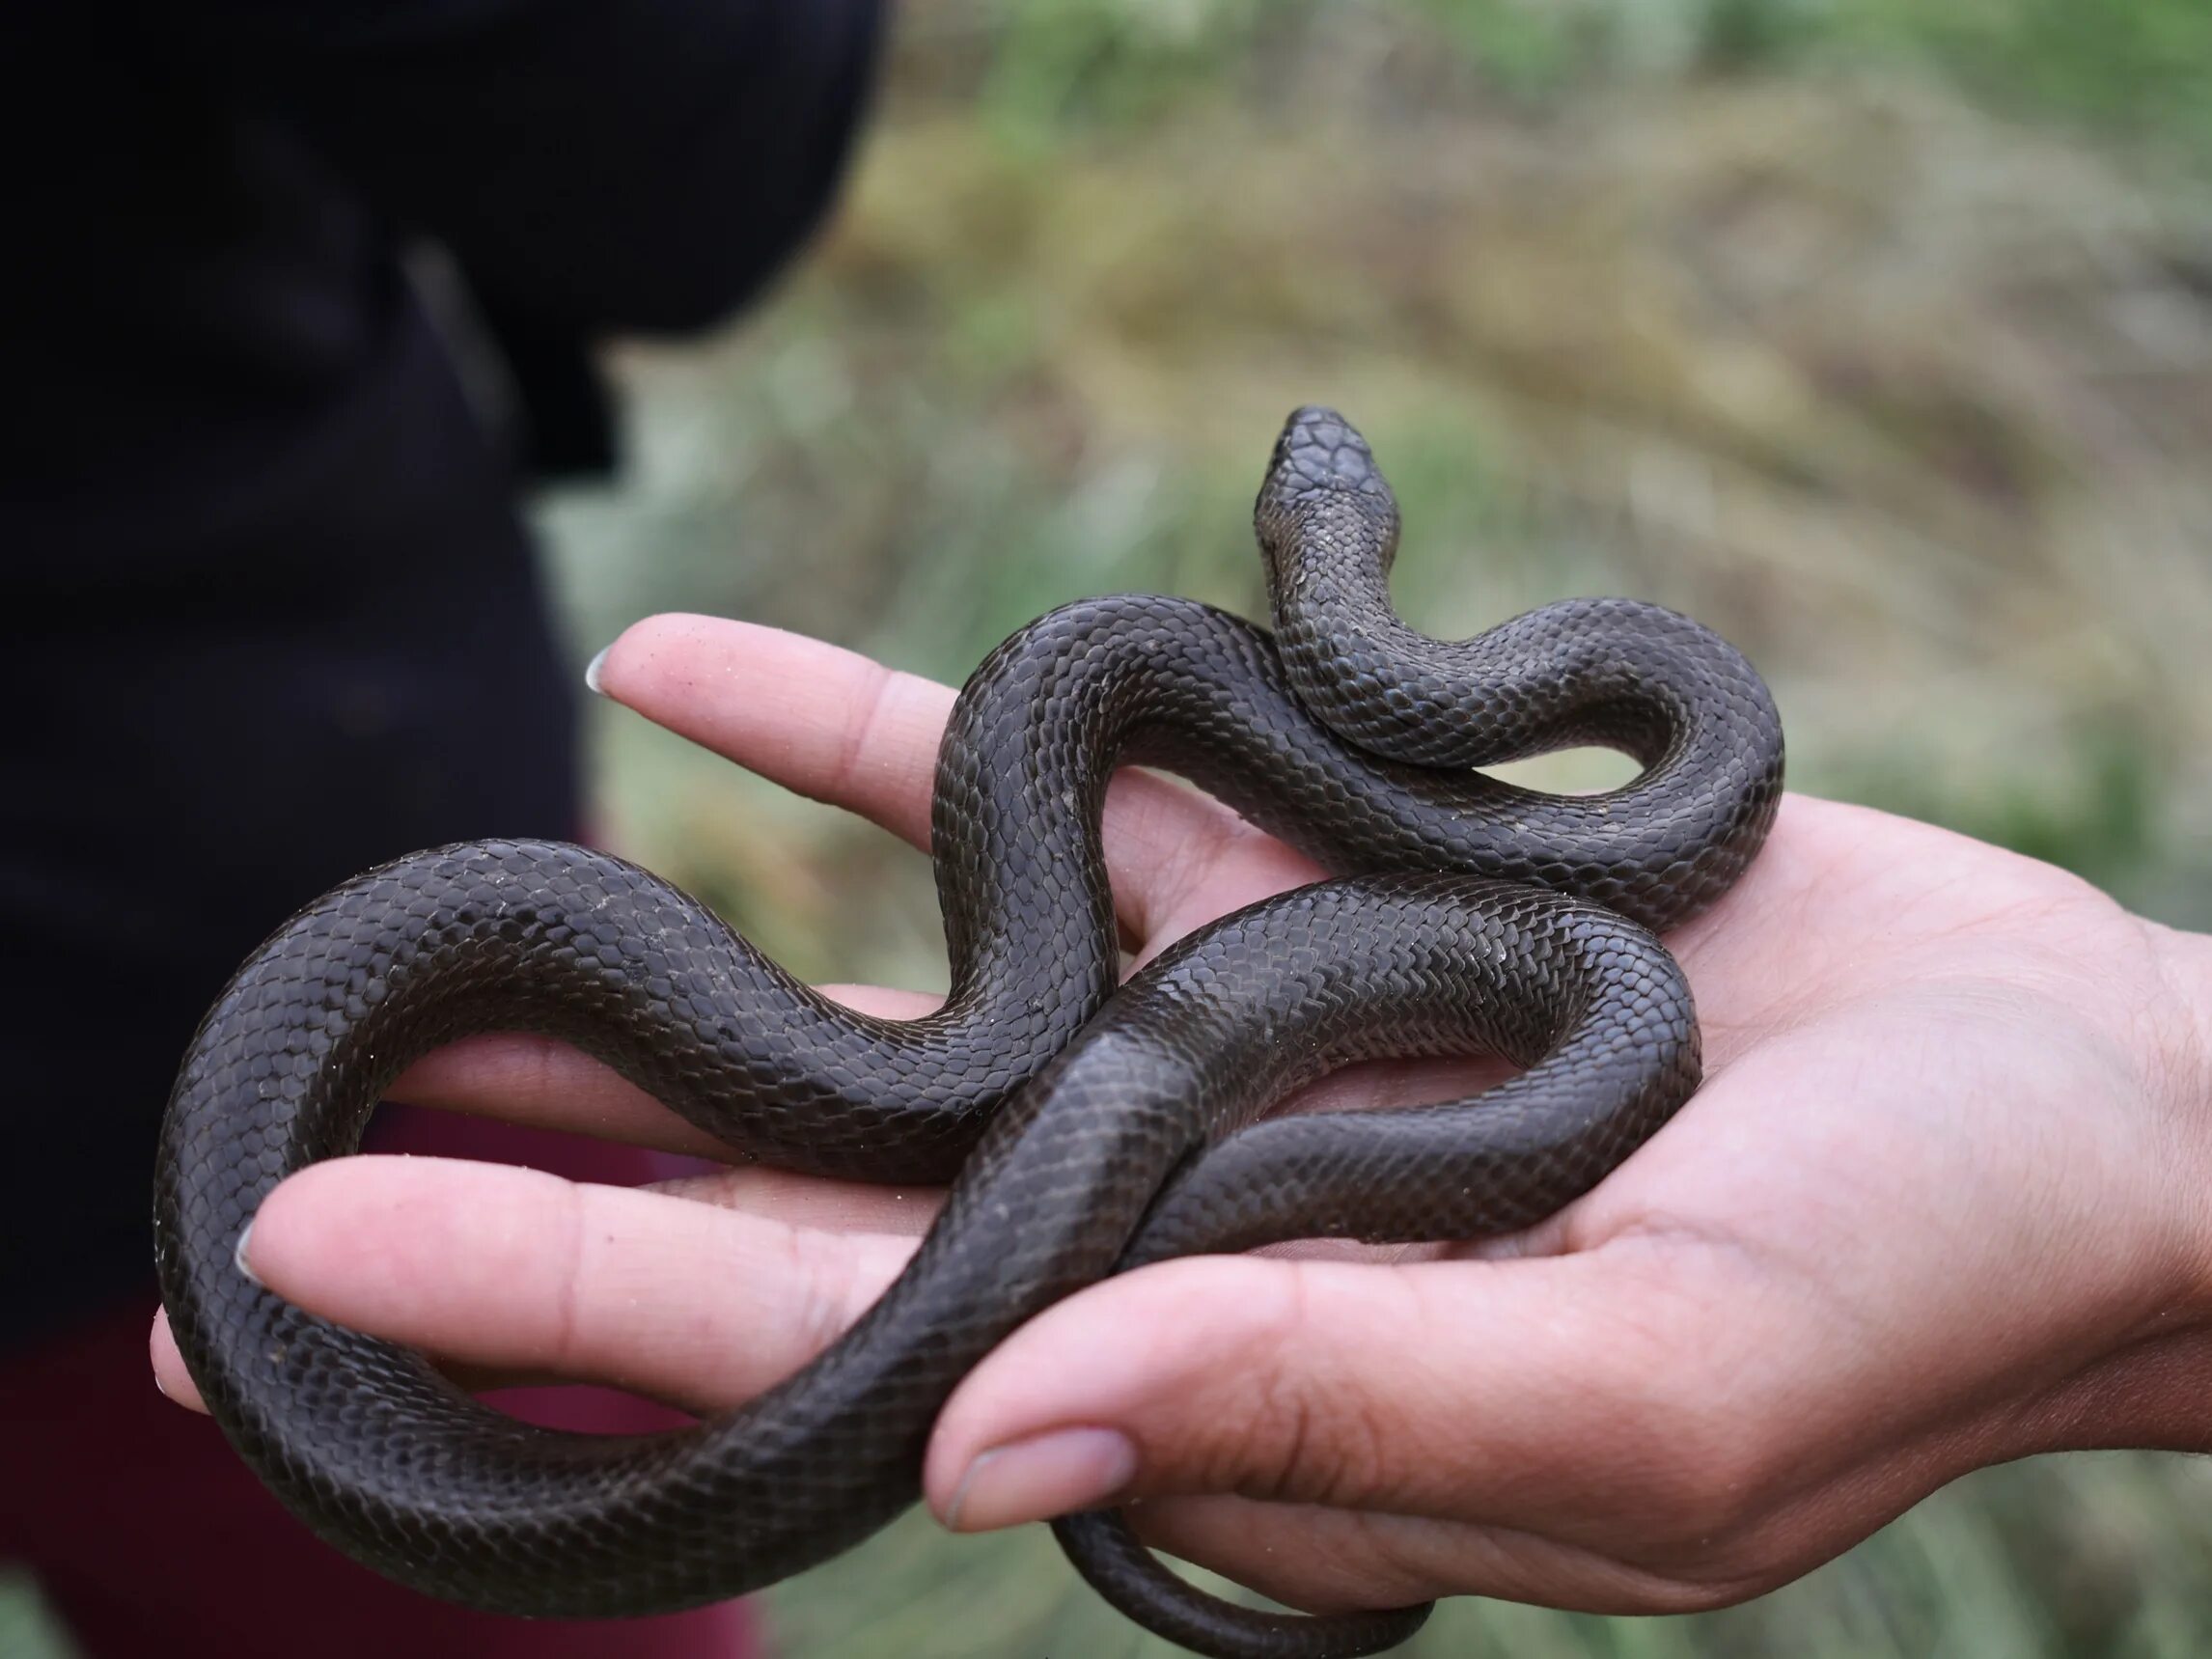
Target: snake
1086, 1126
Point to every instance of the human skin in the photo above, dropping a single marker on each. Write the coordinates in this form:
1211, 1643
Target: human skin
1940, 1203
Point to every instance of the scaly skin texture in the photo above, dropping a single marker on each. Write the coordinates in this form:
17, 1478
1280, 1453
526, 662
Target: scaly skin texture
1086, 1134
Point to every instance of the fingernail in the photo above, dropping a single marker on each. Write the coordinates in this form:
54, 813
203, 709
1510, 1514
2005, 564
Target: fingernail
238, 1254
1034, 1480
591, 670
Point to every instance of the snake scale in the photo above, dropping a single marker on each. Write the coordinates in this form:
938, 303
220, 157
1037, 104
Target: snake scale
1086, 1128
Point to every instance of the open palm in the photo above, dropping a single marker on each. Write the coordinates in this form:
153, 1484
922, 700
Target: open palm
1937, 1205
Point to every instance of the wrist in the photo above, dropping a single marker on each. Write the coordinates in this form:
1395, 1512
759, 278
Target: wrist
2149, 1385
2181, 1067
2185, 964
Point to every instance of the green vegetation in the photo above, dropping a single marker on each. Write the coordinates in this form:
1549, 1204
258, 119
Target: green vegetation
2142, 68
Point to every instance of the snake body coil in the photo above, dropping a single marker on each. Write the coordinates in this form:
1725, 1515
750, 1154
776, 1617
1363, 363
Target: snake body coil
1084, 1130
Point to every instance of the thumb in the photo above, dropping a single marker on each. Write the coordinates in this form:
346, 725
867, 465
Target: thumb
1533, 1390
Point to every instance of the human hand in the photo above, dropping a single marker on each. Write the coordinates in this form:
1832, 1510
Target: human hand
1935, 1206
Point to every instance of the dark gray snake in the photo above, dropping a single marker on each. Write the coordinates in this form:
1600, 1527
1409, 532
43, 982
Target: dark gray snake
1085, 1131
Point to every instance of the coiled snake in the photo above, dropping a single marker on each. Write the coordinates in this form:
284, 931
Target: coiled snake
1085, 1129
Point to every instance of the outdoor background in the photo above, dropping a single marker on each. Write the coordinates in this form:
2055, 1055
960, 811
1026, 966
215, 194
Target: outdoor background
1875, 333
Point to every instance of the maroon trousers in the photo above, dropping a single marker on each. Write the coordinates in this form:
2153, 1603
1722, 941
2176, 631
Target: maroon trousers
152, 1540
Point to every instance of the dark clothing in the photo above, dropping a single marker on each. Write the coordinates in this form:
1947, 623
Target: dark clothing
269, 616
268, 611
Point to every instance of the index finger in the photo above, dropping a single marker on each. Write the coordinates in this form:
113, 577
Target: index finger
840, 727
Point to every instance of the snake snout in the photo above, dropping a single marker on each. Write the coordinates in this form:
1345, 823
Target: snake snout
1321, 453
1322, 472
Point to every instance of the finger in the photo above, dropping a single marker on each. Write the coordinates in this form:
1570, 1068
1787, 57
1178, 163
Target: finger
828, 722
548, 1084
509, 1270
1322, 1561
811, 1202
1325, 1560
838, 727
169, 1374
793, 1202
1573, 1391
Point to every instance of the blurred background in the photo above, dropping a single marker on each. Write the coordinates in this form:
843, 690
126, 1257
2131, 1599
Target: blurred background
1876, 335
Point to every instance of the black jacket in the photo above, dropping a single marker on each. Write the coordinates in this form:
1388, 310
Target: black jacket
268, 610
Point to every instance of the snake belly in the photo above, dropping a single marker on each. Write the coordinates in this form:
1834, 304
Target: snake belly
1086, 1129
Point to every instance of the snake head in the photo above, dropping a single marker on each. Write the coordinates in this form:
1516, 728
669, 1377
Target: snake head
1322, 479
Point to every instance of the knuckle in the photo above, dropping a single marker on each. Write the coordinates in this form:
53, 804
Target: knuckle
1711, 1482
1325, 1446
827, 1292
856, 740
1712, 1458
1319, 1434
567, 1339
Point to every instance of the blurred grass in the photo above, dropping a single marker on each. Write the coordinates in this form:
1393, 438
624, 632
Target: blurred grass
1878, 335
2091, 1555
